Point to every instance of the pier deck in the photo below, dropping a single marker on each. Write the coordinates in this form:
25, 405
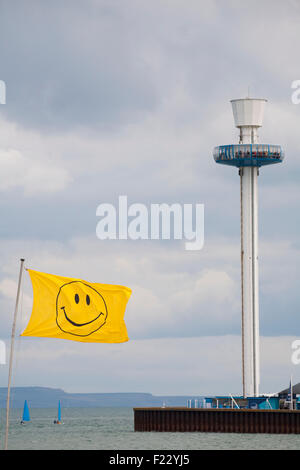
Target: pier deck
217, 420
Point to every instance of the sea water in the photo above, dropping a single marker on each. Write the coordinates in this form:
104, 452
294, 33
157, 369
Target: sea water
112, 429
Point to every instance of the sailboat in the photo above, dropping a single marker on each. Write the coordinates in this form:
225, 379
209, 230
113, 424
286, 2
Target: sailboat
26, 415
58, 420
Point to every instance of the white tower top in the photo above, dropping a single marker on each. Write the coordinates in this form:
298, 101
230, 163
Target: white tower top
248, 112
248, 116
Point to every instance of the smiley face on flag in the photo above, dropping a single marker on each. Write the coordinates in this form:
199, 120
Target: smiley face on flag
77, 310
80, 309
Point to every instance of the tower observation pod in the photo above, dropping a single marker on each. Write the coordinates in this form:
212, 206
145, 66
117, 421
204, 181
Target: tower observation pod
248, 156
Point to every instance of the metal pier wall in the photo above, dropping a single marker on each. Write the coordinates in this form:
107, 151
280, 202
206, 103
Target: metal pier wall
216, 420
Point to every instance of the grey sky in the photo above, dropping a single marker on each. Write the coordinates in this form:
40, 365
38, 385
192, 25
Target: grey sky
106, 98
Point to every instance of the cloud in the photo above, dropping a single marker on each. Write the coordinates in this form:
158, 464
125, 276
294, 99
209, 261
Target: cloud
8, 294
166, 301
129, 57
33, 176
134, 105
175, 293
194, 366
98, 76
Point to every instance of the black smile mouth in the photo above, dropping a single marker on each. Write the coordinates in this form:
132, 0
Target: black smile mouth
80, 324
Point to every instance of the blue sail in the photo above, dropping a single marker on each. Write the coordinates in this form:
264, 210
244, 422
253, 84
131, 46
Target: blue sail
59, 412
26, 415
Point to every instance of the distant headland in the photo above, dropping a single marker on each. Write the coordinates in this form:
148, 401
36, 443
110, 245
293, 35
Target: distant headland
44, 397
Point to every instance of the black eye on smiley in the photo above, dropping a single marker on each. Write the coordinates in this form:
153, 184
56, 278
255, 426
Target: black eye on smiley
87, 299
77, 299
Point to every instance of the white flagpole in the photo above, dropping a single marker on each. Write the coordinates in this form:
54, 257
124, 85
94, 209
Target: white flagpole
292, 403
13, 333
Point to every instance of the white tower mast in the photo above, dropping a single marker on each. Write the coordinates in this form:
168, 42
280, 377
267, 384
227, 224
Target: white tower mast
248, 156
248, 115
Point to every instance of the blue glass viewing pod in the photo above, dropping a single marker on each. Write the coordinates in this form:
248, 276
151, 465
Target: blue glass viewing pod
242, 155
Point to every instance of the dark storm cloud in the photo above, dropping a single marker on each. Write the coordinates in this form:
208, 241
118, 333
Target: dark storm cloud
155, 78
105, 63
111, 97
72, 63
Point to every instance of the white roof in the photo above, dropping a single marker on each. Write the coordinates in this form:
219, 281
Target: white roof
248, 111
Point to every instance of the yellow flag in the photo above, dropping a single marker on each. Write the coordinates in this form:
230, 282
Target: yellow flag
77, 310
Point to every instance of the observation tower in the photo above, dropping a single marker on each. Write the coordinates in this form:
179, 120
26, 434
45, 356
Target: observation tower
249, 156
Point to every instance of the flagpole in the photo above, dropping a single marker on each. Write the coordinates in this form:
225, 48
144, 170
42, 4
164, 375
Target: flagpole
13, 334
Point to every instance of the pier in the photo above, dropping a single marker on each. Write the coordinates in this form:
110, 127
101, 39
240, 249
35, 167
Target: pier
216, 420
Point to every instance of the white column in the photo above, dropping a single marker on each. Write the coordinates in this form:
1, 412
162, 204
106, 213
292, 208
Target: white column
249, 271
256, 355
